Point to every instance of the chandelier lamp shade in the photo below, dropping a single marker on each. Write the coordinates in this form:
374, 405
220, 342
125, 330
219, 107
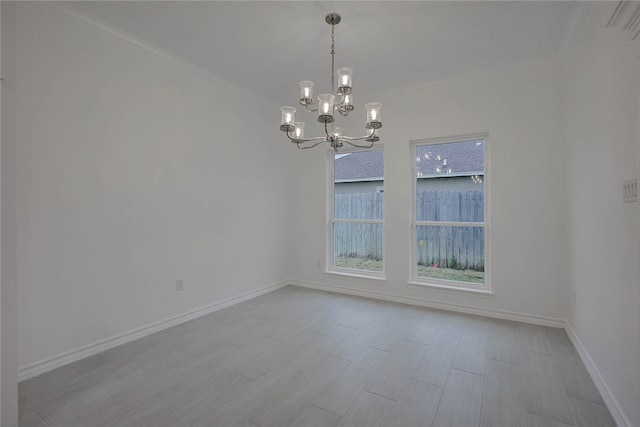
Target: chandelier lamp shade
328, 105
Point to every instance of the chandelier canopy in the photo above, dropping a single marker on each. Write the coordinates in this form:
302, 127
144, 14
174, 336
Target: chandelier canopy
327, 105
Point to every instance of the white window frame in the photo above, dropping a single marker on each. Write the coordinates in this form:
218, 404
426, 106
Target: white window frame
330, 267
442, 284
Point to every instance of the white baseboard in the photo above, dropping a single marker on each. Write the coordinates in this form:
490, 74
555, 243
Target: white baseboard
424, 302
612, 404
60, 360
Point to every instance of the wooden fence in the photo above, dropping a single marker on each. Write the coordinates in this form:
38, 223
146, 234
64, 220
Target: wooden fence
450, 246
358, 240
447, 246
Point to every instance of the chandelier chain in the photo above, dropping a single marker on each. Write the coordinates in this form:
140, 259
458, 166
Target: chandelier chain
333, 54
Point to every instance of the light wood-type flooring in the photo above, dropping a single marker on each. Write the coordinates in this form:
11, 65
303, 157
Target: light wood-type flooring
305, 358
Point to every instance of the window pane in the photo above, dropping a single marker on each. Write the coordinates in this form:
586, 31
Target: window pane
451, 253
357, 246
450, 182
358, 185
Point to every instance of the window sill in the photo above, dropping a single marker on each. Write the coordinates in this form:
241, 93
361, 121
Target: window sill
357, 276
482, 293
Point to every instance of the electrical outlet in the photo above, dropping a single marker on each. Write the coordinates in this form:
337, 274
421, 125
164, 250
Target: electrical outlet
179, 285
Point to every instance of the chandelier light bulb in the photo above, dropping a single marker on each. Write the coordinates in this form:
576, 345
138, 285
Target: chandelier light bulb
306, 92
348, 99
326, 102
288, 118
344, 80
347, 103
373, 115
299, 130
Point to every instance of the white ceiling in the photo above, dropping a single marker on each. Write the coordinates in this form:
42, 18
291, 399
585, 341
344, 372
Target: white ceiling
268, 46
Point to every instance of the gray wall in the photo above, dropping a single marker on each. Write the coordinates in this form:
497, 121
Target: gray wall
8, 288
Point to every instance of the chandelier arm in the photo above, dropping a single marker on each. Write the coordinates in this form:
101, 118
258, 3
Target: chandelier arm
359, 138
299, 141
320, 139
369, 145
301, 147
310, 109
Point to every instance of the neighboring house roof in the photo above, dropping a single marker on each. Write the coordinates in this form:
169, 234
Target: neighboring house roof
458, 159
360, 166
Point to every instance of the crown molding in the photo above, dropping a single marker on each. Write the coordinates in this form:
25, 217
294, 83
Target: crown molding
634, 19
626, 17
576, 22
615, 14
136, 42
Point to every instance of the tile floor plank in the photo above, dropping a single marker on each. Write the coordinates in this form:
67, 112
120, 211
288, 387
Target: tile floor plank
504, 344
543, 391
424, 329
255, 396
534, 420
153, 407
471, 355
533, 339
198, 409
339, 395
416, 406
368, 410
352, 346
503, 402
591, 414
281, 409
558, 336
575, 377
265, 361
311, 353
312, 416
461, 401
397, 369
451, 324
31, 420
436, 362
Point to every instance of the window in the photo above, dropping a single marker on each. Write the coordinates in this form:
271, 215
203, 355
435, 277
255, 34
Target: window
449, 213
356, 200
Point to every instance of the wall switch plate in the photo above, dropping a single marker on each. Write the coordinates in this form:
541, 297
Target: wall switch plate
179, 285
630, 191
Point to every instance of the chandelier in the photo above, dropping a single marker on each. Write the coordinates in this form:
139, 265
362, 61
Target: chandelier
326, 106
